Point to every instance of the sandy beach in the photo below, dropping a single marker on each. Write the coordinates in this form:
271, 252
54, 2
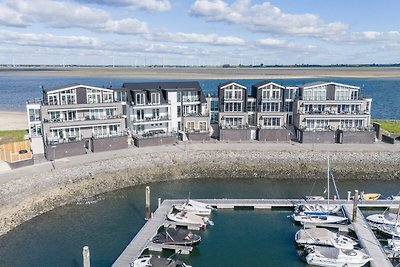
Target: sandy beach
77, 178
206, 72
13, 120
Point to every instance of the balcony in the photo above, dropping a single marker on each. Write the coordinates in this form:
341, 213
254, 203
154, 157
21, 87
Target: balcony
190, 99
150, 104
195, 115
85, 118
61, 140
328, 112
151, 119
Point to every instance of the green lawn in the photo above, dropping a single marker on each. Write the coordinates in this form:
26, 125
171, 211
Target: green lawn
7, 137
392, 126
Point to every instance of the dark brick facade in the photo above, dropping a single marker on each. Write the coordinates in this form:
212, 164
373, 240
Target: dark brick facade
274, 135
154, 141
198, 136
317, 137
65, 150
109, 143
362, 137
234, 134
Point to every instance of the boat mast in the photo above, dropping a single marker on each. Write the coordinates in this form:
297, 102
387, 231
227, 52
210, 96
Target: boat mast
328, 181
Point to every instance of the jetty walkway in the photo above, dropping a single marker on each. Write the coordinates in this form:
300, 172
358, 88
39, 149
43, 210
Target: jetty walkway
368, 241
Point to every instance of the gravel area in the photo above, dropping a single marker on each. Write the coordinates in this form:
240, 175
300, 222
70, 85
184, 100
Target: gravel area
42, 189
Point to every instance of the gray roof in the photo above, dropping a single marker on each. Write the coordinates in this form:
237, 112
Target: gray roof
45, 90
315, 84
170, 86
229, 82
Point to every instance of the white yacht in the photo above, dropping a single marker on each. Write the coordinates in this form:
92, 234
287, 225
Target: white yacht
316, 209
385, 218
189, 218
335, 257
156, 261
318, 219
195, 207
323, 237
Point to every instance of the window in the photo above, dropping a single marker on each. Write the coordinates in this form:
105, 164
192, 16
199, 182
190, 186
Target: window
53, 99
342, 93
93, 96
178, 111
107, 97
140, 114
317, 124
203, 126
272, 121
190, 126
233, 93
140, 99
105, 130
271, 107
34, 115
233, 121
155, 98
214, 105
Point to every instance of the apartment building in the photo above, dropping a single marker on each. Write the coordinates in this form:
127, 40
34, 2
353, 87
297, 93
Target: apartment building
329, 112
76, 119
271, 114
158, 111
233, 114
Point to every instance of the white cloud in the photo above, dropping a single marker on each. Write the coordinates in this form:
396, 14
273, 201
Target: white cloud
211, 39
48, 40
265, 18
69, 15
150, 5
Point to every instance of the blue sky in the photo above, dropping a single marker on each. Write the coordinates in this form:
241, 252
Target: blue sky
193, 32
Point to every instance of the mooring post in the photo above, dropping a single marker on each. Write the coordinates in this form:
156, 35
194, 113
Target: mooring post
147, 202
159, 202
355, 202
348, 195
86, 256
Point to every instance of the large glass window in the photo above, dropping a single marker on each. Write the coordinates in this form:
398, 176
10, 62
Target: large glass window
93, 96
233, 121
34, 115
272, 121
271, 107
53, 99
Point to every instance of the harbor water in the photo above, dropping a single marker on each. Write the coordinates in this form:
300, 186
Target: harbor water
108, 222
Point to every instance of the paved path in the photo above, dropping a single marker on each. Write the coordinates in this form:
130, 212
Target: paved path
196, 146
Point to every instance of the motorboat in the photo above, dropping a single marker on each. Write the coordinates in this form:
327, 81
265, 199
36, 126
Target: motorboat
157, 261
186, 217
383, 218
370, 196
335, 257
323, 237
173, 236
388, 230
195, 207
316, 209
318, 219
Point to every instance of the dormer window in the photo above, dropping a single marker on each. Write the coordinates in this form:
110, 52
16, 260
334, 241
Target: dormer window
155, 98
140, 98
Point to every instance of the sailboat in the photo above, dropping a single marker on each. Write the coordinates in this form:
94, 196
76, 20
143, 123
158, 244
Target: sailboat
385, 218
320, 216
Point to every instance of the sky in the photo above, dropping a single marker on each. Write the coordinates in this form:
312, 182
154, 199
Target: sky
199, 32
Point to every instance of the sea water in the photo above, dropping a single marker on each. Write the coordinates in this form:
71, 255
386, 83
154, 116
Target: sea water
15, 90
108, 222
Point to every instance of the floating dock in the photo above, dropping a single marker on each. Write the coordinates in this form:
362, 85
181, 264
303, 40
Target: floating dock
142, 240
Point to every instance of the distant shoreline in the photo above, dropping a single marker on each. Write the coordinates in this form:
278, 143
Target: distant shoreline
207, 72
